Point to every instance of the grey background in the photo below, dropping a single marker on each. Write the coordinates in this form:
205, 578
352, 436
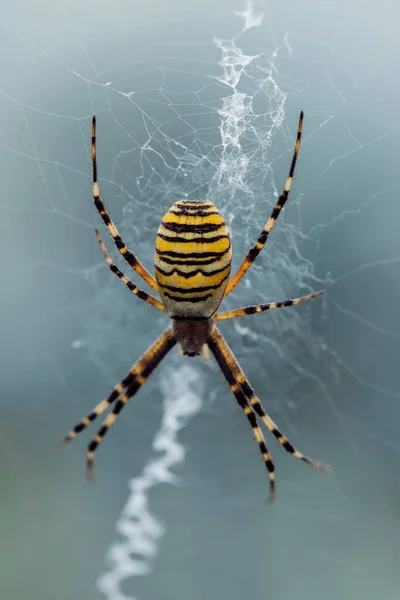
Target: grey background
328, 373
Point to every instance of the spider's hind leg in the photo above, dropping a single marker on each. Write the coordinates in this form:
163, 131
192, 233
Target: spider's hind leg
276, 211
136, 377
219, 354
245, 397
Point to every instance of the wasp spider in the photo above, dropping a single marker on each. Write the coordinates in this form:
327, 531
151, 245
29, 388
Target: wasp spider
192, 268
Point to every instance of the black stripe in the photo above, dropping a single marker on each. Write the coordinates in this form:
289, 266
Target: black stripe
185, 255
78, 428
196, 228
286, 444
200, 288
100, 207
198, 240
119, 405
199, 212
191, 273
191, 300
189, 263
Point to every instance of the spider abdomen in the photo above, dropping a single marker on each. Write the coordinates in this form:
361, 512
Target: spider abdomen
192, 259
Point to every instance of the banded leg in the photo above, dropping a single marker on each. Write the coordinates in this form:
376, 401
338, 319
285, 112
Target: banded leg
243, 403
256, 249
141, 372
245, 388
127, 254
250, 310
98, 410
136, 377
131, 286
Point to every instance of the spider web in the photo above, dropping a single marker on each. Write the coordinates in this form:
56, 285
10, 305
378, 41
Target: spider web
201, 102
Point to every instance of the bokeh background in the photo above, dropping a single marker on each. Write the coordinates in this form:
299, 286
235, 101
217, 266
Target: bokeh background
193, 100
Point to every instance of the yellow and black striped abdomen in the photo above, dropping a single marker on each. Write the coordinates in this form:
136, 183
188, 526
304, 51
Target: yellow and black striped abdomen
192, 259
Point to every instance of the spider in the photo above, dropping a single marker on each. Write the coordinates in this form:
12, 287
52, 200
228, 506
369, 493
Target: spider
192, 267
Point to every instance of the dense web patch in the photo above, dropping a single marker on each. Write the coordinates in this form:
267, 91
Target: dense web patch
212, 118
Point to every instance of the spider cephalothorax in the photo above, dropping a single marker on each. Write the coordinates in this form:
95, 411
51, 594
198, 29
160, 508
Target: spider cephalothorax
192, 268
192, 335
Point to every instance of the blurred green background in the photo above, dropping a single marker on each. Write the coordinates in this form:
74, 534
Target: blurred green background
156, 75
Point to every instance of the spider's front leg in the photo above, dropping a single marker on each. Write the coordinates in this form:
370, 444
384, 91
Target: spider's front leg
131, 286
118, 241
262, 238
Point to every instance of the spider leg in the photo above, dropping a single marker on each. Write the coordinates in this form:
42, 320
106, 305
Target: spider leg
138, 374
242, 389
258, 246
133, 288
205, 352
220, 355
143, 369
98, 410
250, 310
127, 254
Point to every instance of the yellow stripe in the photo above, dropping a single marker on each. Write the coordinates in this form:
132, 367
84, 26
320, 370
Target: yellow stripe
191, 282
190, 247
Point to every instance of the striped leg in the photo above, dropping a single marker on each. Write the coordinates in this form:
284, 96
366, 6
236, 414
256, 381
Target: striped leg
143, 369
135, 290
98, 410
131, 383
250, 310
242, 387
220, 357
255, 250
127, 254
